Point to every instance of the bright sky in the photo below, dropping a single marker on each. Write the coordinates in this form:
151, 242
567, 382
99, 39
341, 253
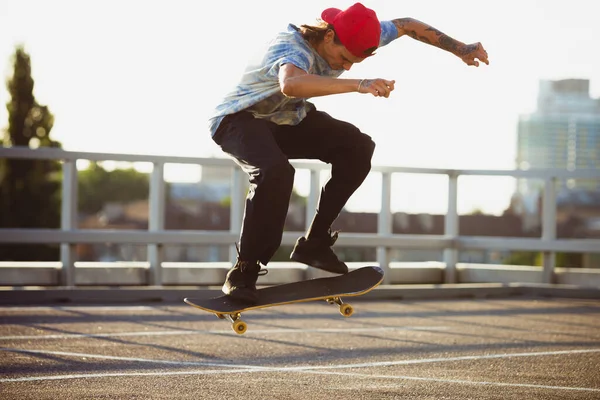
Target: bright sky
141, 76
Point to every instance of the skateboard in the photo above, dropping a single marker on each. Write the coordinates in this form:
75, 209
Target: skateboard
331, 289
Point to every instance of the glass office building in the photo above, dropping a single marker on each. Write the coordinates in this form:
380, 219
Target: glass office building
564, 133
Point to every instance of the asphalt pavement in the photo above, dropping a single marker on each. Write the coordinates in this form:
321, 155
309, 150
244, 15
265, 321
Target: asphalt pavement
523, 348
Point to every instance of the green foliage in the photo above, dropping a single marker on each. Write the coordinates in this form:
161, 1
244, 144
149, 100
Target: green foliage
29, 189
569, 260
477, 211
523, 258
295, 198
98, 186
226, 201
563, 260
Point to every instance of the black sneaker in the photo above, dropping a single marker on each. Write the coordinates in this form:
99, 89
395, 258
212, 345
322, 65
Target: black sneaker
240, 283
318, 254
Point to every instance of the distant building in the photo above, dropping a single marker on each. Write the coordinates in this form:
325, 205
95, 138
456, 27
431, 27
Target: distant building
214, 186
216, 175
563, 133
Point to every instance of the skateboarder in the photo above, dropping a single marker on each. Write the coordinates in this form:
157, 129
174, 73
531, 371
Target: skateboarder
266, 121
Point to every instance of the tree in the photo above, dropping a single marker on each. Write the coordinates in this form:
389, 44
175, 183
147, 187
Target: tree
29, 189
97, 186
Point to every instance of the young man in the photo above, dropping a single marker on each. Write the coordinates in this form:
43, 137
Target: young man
266, 121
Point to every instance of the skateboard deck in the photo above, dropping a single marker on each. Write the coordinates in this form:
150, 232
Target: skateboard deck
331, 289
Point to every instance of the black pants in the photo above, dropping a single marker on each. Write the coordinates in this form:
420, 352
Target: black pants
263, 148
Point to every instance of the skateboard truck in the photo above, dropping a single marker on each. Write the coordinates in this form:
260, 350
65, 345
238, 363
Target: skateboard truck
237, 324
345, 309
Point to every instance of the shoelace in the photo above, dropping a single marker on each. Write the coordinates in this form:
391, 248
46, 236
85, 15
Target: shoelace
244, 264
334, 236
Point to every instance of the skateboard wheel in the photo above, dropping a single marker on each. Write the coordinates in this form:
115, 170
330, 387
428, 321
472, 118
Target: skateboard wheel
220, 316
346, 310
239, 327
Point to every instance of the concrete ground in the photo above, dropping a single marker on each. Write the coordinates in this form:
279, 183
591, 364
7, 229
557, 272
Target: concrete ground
517, 348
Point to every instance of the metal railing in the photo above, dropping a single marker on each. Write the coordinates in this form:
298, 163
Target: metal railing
384, 240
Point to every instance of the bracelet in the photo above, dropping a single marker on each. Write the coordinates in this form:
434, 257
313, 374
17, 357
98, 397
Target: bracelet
360, 84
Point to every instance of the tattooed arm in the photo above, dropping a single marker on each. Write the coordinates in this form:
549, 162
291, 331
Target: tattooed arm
428, 34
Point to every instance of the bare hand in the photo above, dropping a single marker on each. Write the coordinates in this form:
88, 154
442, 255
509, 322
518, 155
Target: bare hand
470, 52
377, 87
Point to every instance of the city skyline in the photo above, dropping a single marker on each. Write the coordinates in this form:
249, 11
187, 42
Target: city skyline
106, 71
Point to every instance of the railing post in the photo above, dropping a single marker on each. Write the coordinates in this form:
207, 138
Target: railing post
156, 223
384, 223
313, 197
236, 211
68, 221
549, 227
451, 229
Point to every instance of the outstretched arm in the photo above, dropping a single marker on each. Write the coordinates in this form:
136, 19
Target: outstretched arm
418, 30
295, 82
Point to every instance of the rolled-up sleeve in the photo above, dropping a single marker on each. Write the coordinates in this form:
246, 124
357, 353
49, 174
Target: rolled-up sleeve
389, 33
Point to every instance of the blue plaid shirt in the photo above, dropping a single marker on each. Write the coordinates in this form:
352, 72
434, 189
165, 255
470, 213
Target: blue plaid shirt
259, 91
